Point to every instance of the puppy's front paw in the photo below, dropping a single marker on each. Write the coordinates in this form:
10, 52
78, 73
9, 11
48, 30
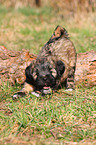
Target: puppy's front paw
35, 94
18, 95
70, 89
46, 91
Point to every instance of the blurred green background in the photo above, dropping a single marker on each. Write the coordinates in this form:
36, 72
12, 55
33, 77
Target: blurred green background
28, 24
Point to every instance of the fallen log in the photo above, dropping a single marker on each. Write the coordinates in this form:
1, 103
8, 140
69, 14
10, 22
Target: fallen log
13, 64
86, 69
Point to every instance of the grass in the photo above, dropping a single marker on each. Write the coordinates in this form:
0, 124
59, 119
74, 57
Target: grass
60, 118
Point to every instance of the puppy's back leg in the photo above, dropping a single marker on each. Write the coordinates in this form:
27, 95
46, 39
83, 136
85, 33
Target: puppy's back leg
72, 64
24, 91
70, 79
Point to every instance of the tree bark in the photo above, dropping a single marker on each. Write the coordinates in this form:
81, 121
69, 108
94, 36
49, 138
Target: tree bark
86, 69
13, 64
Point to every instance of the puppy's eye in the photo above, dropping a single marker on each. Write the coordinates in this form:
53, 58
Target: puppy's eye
54, 72
34, 75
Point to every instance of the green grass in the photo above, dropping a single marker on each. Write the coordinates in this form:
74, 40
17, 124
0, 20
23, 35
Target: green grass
85, 39
28, 11
57, 119
60, 116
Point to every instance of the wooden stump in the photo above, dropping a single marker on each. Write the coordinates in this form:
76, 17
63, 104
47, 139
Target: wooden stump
13, 64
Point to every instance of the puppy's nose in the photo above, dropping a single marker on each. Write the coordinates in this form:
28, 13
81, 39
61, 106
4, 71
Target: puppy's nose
44, 78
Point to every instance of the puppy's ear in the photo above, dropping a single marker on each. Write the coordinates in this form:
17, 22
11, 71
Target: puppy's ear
60, 67
54, 72
28, 72
34, 75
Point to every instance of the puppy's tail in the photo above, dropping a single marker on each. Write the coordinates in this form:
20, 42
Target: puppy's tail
60, 32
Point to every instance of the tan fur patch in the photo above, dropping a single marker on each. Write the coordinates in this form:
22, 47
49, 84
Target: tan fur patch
28, 88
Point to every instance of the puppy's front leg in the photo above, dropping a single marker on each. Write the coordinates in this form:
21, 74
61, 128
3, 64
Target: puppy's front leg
24, 91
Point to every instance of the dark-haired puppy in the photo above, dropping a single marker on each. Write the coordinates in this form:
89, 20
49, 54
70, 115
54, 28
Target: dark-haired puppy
54, 66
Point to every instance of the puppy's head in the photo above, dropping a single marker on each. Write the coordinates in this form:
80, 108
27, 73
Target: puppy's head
43, 74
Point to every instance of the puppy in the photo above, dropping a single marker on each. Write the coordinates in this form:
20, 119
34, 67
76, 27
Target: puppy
54, 66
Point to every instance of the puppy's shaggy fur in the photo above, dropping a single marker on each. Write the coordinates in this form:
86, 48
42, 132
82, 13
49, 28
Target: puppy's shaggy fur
54, 66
